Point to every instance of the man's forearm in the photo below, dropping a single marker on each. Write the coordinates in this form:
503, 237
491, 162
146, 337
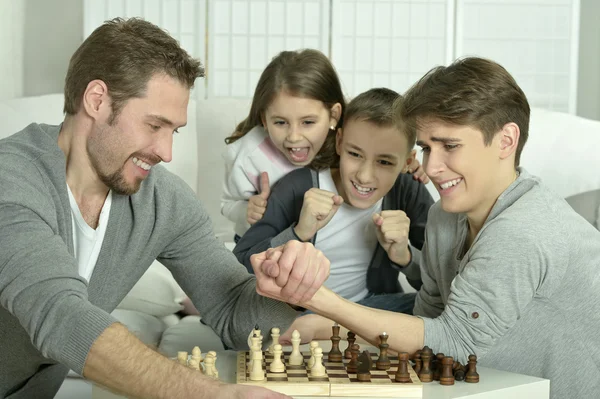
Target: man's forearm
123, 364
406, 333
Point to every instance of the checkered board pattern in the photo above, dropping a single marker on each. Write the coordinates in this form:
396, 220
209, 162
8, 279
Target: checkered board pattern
296, 380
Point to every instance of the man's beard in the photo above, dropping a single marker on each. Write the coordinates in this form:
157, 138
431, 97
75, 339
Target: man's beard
117, 183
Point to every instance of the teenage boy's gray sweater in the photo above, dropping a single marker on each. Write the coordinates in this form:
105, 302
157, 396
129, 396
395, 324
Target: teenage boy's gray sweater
50, 316
525, 297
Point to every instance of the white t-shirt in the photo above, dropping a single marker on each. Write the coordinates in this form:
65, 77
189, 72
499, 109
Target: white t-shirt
87, 241
348, 241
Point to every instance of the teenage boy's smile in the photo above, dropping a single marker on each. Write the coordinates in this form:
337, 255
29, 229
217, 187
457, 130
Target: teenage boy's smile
446, 187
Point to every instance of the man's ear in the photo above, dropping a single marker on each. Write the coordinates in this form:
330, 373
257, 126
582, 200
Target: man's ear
338, 141
336, 114
509, 139
96, 101
409, 160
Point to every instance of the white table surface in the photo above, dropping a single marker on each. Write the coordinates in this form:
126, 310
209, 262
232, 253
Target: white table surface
493, 384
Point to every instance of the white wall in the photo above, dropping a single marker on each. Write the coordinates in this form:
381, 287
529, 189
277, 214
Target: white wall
52, 30
11, 48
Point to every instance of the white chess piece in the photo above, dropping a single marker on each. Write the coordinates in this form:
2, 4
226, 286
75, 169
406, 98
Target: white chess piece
296, 358
254, 347
318, 370
213, 355
277, 365
254, 332
209, 362
311, 361
275, 338
182, 357
194, 364
197, 354
257, 373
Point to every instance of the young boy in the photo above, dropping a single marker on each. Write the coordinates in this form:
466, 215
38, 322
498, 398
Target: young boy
361, 213
510, 272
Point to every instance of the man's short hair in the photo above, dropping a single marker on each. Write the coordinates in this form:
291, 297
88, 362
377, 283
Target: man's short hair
472, 92
125, 54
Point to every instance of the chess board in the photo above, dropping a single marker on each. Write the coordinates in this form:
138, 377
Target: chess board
296, 380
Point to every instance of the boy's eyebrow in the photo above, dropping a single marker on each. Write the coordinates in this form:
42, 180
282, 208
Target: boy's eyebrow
387, 156
444, 140
163, 120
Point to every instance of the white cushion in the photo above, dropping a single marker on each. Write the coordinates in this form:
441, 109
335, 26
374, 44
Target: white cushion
188, 333
147, 328
156, 293
217, 119
561, 149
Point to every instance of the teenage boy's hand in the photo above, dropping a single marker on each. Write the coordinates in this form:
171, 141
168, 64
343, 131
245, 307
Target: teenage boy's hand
392, 233
257, 204
290, 273
318, 208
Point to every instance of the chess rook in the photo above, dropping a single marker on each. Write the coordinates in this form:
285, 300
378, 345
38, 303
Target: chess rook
447, 378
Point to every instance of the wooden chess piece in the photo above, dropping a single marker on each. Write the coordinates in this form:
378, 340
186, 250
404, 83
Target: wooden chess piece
418, 362
335, 355
277, 365
436, 366
426, 375
296, 358
472, 376
275, 333
365, 363
383, 363
311, 360
351, 340
402, 374
182, 357
447, 378
257, 373
352, 366
318, 369
458, 371
253, 333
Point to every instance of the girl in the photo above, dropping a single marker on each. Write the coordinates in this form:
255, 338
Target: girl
296, 109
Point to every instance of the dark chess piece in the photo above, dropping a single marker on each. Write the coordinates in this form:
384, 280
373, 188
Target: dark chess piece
335, 355
365, 363
418, 362
351, 339
458, 371
426, 375
447, 378
436, 366
352, 366
383, 363
472, 376
402, 374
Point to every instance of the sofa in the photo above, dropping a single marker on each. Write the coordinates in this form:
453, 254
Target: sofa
557, 151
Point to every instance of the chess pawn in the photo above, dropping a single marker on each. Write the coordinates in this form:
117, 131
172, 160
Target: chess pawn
257, 373
296, 358
335, 355
426, 375
447, 378
213, 355
318, 370
351, 340
274, 339
383, 363
472, 375
352, 366
182, 358
277, 365
418, 362
197, 354
436, 367
402, 374
311, 360
459, 371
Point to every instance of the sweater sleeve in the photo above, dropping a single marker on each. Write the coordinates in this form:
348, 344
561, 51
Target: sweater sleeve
282, 213
238, 186
220, 288
39, 282
489, 295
